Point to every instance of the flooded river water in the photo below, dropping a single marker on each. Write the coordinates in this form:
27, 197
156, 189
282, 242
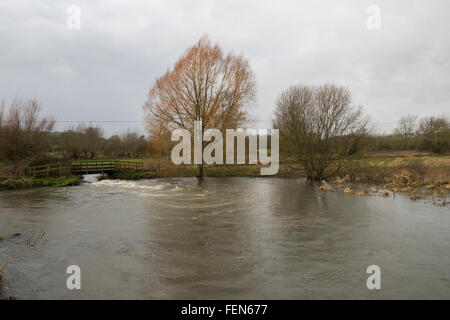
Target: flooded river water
217, 238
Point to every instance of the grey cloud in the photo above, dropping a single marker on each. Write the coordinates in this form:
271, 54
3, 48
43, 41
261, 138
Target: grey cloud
104, 70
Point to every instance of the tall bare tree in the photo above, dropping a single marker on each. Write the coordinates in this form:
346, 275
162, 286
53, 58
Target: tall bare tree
319, 124
24, 133
434, 134
82, 141
407, 126
205, 84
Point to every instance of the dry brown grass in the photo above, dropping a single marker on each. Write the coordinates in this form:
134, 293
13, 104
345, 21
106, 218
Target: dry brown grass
349, 191
417, 175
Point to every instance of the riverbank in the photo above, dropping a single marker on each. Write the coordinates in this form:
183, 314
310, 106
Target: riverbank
164, 168
33, 182
416, 174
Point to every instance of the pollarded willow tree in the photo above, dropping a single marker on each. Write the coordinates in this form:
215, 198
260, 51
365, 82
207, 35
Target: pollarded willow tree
319, 125
205, 85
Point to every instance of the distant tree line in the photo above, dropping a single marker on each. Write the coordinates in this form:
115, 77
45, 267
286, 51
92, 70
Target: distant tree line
429, 134
88, 142
24, 134
26, 138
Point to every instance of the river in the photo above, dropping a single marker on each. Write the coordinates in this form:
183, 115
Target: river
220, 238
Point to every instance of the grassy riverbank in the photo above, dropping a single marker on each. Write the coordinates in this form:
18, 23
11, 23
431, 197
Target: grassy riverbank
164, 168
30, 182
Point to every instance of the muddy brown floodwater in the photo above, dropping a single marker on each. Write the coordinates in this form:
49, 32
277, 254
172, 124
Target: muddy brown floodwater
220, 238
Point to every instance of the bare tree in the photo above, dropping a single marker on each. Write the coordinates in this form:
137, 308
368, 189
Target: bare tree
83, 141
434, 134
158, 145
93, 141
133, 144
2, 112
113, 146
206, 85
24, 133
407, 126
320, 125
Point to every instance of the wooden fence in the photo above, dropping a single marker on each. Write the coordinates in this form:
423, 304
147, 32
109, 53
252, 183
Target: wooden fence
59, 169
84, 167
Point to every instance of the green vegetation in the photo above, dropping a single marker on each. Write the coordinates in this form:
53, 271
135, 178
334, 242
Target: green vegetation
130, 175
233, 171
1, 238
56, 181
26, 182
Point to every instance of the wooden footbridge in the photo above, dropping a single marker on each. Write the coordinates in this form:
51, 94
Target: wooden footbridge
84, 167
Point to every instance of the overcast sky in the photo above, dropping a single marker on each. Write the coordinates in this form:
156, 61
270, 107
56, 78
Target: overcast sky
103, 71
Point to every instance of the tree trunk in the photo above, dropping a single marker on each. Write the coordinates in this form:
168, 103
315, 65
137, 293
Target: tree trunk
200, 171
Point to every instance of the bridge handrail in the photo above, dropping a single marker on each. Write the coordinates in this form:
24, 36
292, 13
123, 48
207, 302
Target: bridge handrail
86, 165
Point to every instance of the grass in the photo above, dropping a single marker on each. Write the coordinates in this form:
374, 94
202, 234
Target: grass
430, 169
130, 175
106, 160
71, 180
233, 171
1, 238
417, 175
164, 168
26, 182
